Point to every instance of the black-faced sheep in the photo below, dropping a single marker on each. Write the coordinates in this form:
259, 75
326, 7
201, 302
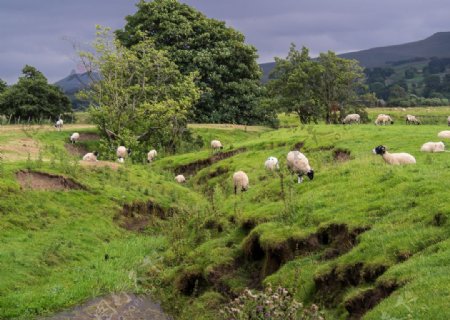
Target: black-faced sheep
240, 181
433, 147
352, 118
74, 137
383, 119
216, 145
59, 124
122, 153
394, 158
91, 156
411, 119
299, 164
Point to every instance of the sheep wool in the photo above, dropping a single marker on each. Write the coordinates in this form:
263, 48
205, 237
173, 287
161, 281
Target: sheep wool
240, 181
394, 158
74, 137
271, 164
433, 147
299, 164
151, 155
448, 121
122, 153
411, 119
216, 145
352, 118
91, 156
444, 134
180, 178
59, 124
383, 119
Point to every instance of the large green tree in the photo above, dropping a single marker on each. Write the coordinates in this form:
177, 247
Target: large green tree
142, 100
229, 76
3, 85
293, 87
32, 97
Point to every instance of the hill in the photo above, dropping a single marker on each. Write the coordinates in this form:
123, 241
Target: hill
362, 239
73, 83
437, 45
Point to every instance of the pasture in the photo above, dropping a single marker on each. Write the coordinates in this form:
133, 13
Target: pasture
362, 239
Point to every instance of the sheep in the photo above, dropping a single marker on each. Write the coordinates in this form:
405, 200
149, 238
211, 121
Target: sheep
59, 124
411, 119
448, 121
180, 178
394, 158
91, 156
151, 155
271, 164
354, 117
216, 145
383, 119
433, 147
299, 164
240, 180
444, 134
122, 153
74, 137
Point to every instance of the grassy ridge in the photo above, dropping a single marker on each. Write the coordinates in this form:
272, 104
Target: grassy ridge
391, 222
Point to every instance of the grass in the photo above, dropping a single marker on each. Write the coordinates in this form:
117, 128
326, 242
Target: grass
60, 248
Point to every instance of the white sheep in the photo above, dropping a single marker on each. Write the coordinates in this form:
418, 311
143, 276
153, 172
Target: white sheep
271, 164
216, 145
299, 164
383, 119
411, 119
240, 180
74, 137
151, 155
59, 124
91, 156
352, 118
448, 121
433, 147
444, 134
122, 153
180, 178
394, 158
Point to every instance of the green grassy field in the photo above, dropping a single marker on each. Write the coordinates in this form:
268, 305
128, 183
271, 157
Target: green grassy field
361, 237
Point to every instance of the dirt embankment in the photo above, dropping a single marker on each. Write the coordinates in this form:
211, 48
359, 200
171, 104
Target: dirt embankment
45, 181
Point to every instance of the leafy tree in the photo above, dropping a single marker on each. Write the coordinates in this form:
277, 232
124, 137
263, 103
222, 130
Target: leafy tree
141, 100
3, 85
410, 73
293, 85
432, 84
341, 81
229, 76
33, 97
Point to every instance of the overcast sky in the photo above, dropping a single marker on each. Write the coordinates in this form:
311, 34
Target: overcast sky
34, 31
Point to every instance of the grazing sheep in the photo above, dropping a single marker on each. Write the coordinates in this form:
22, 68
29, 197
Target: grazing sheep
74, 137
271, 164
299, 164
240, 180
91, 156
352, 118
59, 124
151, 155
448, 121
216, 145
433, 147
180, 178
383, 119
394, 158
444, 134
411, 119
122, 153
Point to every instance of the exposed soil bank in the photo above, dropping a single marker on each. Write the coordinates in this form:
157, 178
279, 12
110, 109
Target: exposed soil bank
46, 181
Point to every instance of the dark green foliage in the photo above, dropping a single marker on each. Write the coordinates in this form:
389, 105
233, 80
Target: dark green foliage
33, 98
3, 85
229, 76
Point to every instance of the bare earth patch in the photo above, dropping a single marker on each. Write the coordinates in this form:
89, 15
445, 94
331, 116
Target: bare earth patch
45, 181
115, 307
19, 149
76, 149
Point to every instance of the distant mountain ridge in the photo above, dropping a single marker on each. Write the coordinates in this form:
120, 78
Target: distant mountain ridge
73, 83
437, 45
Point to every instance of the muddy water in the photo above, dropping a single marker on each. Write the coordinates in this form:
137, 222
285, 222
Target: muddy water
120, 306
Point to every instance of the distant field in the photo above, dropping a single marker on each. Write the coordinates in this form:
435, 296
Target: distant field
363, 239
